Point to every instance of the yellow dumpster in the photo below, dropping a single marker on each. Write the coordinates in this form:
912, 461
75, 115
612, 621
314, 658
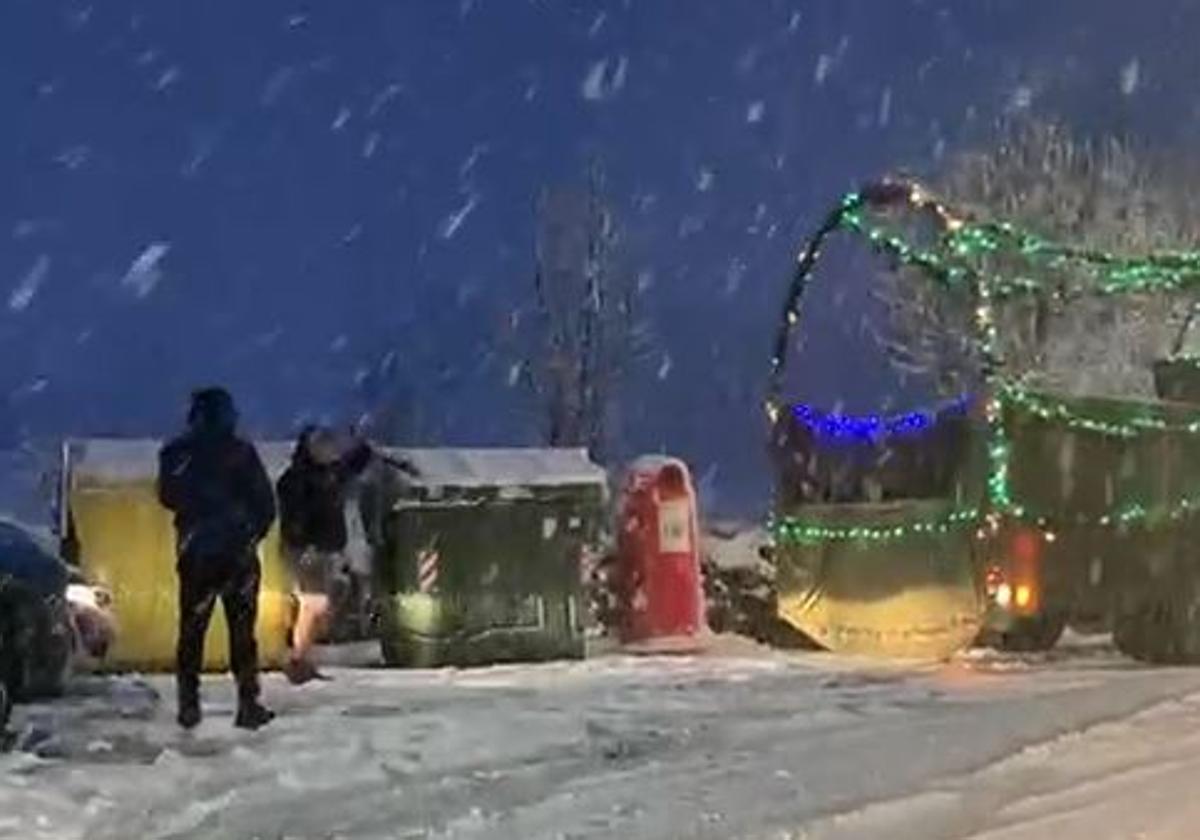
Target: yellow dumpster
127, 543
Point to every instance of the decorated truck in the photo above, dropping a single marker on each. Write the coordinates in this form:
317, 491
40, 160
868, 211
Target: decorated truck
1011, 511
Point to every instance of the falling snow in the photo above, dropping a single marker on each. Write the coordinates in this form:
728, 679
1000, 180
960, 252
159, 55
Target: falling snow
468, 165
299, 152
455, 220
74, 157
734, 276
276, 85
382, 99
1131, 75
145, 273
25, 228
1021, 98
885, 107
605, 79
690, 225
371, 144
664, 366
168, 78
25, 291
823, 68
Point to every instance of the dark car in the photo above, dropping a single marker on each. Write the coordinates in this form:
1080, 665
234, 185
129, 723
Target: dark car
36, 629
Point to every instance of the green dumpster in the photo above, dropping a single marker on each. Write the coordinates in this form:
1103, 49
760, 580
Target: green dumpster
477, 561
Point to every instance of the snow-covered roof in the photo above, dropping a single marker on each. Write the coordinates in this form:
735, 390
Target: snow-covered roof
111, 461
502, 467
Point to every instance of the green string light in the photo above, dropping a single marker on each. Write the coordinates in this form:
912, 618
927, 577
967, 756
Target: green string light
796, 530
801, 531
963, 255
1059, 412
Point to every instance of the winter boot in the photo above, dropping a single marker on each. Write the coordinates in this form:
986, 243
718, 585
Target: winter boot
188, 714
189, 717
253, 715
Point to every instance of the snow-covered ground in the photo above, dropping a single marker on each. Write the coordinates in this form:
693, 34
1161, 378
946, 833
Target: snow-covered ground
1080, 743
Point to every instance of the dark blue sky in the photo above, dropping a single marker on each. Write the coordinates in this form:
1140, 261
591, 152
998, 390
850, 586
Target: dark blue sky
273, 194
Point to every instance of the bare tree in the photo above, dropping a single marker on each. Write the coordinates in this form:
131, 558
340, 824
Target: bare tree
1105, 194
584, 302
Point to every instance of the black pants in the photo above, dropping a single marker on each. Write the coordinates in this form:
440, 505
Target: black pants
201, 581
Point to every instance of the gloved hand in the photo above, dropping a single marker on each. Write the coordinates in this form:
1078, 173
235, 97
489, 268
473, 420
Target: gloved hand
402, 464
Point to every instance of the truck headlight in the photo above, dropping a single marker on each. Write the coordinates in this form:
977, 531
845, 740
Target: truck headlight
1004, 595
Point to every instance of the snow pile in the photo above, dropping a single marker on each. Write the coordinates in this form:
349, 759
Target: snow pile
734, 545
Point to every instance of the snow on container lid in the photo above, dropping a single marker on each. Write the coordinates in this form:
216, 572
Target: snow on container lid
125, 460
502, 467
113, 460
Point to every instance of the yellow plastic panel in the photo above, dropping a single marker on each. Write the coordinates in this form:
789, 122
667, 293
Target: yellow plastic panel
127, 543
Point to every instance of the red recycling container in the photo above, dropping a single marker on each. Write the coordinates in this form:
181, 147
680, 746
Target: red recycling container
659, 580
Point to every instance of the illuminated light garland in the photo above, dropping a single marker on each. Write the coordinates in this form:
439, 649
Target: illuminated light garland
875, 427
795, 530
798, 530
960, 258
1059, 412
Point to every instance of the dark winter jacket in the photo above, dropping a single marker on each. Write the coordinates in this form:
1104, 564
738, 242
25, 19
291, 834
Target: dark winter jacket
216, 486
312, 499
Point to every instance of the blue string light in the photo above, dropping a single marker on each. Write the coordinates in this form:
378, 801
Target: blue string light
873, 428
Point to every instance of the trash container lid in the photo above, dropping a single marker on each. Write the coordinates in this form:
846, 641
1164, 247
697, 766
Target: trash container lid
117, 460
102, 461
500, 467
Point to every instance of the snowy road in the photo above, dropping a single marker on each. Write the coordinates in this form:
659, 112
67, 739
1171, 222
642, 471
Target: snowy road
1078, 744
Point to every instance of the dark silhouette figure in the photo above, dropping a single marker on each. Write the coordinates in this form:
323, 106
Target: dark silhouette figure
312, 508
215, 484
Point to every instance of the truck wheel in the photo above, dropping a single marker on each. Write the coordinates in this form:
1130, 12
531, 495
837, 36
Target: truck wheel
1131, 634
1031, 634
1164, 630
1148, 633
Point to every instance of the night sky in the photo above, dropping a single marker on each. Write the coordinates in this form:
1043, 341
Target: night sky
274, 195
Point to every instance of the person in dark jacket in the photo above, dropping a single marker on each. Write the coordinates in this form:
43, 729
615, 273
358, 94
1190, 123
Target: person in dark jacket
312, 518
215, 485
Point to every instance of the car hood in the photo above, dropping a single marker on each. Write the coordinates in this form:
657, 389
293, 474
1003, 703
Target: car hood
24, 561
